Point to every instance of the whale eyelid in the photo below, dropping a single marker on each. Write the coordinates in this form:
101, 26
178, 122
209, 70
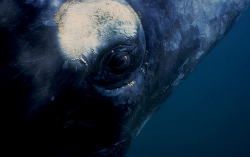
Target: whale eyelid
125, 47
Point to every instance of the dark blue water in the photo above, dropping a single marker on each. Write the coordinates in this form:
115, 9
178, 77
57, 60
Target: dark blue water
209, 113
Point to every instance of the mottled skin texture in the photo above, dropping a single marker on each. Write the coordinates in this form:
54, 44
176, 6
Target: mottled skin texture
60, 112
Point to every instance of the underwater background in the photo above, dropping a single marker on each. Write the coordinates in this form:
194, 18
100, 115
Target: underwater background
209, 113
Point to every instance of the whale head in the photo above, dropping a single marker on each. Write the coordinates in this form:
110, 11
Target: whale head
82, 77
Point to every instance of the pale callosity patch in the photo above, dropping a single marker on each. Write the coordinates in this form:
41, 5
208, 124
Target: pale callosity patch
84, 26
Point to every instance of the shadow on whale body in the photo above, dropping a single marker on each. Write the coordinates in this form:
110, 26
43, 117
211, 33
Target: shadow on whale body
81, 78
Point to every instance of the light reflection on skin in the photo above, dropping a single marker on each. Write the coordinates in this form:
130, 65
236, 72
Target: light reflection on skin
86, 27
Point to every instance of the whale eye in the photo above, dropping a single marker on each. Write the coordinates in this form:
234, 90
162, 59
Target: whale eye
119, 62
119, 65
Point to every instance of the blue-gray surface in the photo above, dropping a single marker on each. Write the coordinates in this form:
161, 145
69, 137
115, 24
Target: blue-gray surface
209, 114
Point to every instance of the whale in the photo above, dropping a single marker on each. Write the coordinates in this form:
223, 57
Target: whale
82, 77
195, 118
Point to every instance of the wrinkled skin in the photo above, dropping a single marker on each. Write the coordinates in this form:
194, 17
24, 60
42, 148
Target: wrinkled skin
59, 106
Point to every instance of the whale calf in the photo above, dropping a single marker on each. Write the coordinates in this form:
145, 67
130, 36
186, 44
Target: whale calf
82, 77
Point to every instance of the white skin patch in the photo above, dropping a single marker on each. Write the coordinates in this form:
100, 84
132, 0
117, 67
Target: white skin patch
178, 80
86, 26
199, 54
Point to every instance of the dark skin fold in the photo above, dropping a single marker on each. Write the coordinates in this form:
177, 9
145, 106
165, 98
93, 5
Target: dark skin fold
64, 98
